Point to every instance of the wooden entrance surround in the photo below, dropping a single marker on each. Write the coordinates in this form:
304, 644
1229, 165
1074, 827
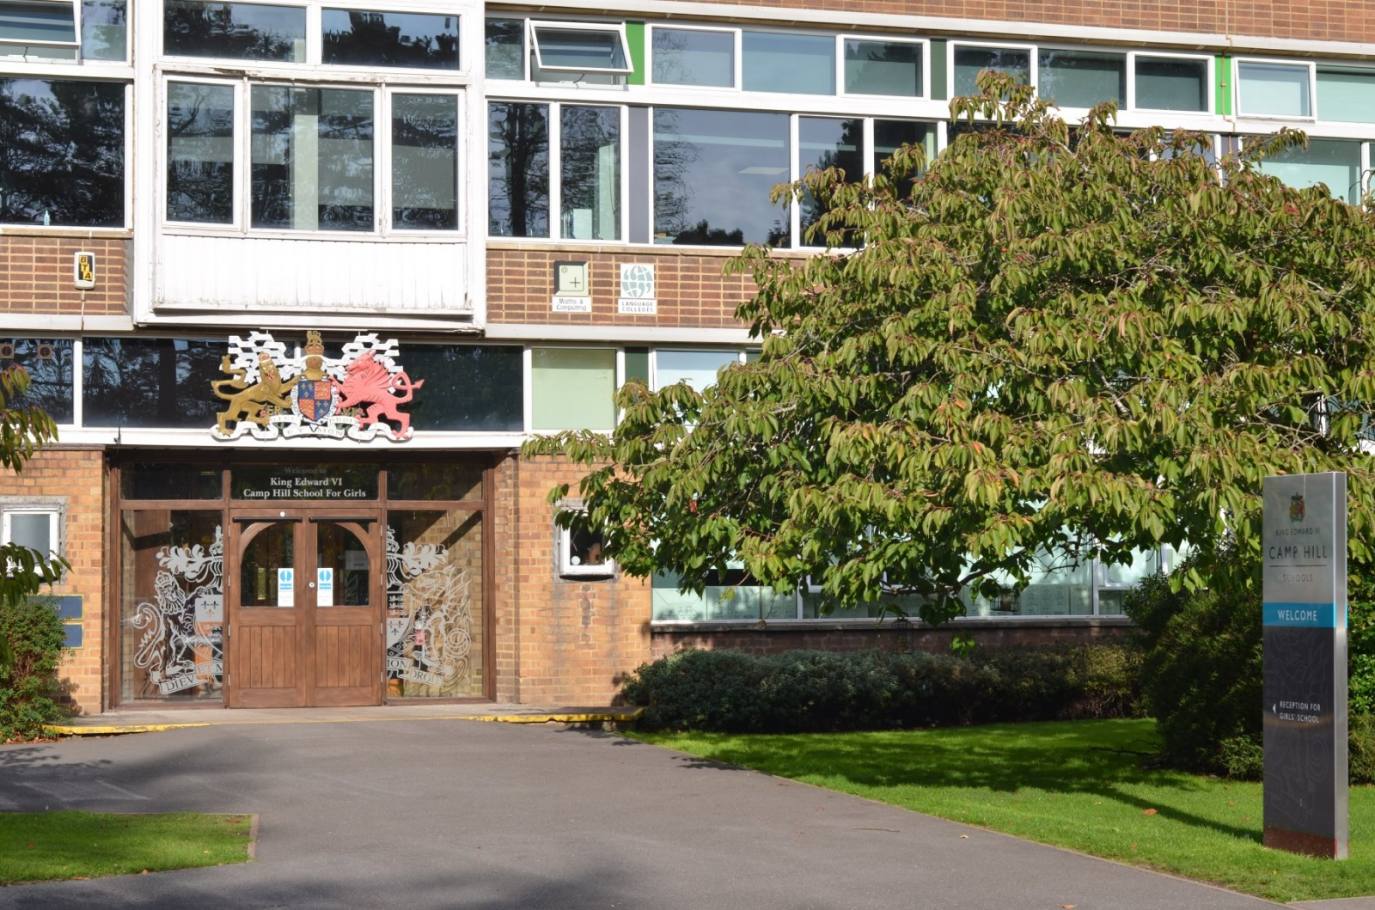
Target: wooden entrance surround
236, 584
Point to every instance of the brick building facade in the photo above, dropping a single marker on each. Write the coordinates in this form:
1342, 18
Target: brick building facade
215, 216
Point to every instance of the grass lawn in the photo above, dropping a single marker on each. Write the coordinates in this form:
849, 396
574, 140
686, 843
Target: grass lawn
37, 846
1079, 785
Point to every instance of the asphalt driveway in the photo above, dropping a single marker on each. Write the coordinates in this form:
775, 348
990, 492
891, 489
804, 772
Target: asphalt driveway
418, 814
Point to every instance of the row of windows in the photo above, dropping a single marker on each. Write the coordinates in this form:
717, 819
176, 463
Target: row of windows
164, 383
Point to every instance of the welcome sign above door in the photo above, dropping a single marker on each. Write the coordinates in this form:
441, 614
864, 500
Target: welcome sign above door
273, 395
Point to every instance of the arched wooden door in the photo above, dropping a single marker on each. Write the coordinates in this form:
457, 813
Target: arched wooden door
304, 599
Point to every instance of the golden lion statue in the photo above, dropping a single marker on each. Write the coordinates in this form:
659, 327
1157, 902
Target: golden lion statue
258, 402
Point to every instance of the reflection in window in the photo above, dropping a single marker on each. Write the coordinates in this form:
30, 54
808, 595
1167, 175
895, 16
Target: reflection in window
200, 153
713, 172
729, 596
312, 158
780, 62
1116, 579
697, 368
149, 382
342, 567
582, 50
1168, 84
268, 557
104, 29
825, 142
1333, 162
1082, 78
890, 135
1057, 586
970, 61
518, 169
883, 68
1273, 90
424, 162
242, 31
61, 153
154, 480
468, 387
573, 389
49, 365
685, 56
172, 605
434, 480
366, 38
24, 23
590, 172
1346, 95
434, 625
505, 48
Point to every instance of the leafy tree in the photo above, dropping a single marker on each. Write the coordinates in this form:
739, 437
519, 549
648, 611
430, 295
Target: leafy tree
1053, 341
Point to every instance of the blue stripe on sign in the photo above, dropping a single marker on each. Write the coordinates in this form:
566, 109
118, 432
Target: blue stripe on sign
1302, 616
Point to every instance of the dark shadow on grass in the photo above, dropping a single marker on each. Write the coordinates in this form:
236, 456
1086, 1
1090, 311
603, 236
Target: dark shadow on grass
1090, 758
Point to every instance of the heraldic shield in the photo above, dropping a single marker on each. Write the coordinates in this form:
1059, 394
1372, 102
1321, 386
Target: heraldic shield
315, 399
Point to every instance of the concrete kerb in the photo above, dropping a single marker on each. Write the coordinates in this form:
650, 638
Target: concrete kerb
613, 717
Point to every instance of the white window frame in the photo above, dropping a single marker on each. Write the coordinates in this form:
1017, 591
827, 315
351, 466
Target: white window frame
242, 225
315, 34
1367, 128
532, 27
312, 37
654, 386
617, 380
511, 16
737, 45
1209, 76
1033, 53
767, 29
568, 569
924, 43
1312, 68
54, 515
73, 5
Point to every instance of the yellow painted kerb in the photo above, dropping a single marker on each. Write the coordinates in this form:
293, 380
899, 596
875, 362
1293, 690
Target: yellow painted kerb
115, 729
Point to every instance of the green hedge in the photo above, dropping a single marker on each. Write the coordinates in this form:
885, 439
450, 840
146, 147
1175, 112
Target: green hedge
813, 691
30, 649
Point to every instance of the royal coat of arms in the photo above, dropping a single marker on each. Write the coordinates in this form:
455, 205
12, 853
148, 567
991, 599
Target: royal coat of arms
1296, 508
273, 395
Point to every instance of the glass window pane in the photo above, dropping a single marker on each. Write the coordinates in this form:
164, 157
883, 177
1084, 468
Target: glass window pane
1273, 89
104, 29
799, 64
434, 604
518, 169
1347, 96
1082, 78
697, 368
150, 382
61, 153
49, 365
729, 598
970, 61
1163, 84
505, 47
890, 135
713, 172
271, 549
883, 68
685, 56
434, 480
243, 31
344, 558
312, 158
424, 165
827, 142
468, 387
24, 22
582, 49
573, 389
170, 481
590, 171
1058, 586
33, 530
171, 604
367, 38
1334, 162
200, 152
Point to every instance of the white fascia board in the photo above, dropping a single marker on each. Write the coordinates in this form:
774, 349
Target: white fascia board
950, 25
331, 320
645, 334
60, 322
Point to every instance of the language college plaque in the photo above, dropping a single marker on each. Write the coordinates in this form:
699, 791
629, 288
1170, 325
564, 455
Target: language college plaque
1304, 558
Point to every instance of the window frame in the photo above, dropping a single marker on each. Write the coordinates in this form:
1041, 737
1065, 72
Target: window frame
569, 570
952, 47
313, 37
54, 513
618, 380
737, 63
532, 27
1209, 75
1344, 126
1086, 49
315, 19
75, 43
383, 229
1310, 64
654, 382
837, 71
924, 43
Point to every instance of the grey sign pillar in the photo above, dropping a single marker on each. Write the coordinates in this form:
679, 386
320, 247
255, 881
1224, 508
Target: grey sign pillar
1304, 556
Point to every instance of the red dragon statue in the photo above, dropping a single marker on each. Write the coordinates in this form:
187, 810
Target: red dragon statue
371, 387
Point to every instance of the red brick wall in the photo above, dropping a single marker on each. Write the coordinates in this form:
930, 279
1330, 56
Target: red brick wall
573, 640
36, 275
888, 637
78, 477
691, 289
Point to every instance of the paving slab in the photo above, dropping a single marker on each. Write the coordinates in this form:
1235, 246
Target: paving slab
416, 814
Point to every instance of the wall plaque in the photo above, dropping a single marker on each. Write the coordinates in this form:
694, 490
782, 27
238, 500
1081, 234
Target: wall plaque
1304, 602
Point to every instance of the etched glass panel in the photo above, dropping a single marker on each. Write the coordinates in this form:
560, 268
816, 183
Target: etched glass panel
424, 169
434, 604
172, 605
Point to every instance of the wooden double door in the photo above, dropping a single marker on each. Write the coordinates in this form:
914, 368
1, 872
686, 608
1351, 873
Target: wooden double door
304, 597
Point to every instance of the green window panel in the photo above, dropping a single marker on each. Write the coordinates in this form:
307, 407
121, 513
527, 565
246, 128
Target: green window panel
1346, 95
573, 389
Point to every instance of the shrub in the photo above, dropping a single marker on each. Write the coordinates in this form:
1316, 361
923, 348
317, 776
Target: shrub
32, 634
812, 691
1361, 749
